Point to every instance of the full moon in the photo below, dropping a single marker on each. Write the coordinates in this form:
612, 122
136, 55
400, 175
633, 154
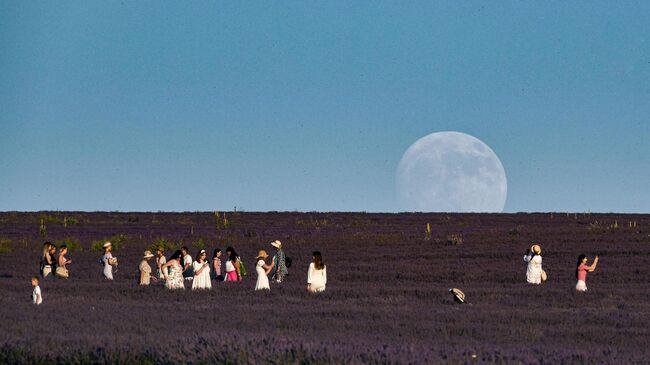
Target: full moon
451, 172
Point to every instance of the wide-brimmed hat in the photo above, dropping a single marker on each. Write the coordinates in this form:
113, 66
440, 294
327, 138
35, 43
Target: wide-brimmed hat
459, 296
276, 244
107, 244
536, 249
147, 254
262, 255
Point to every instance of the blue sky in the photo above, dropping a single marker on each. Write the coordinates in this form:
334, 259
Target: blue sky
308, 106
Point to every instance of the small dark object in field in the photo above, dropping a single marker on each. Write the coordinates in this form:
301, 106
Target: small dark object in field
459, 296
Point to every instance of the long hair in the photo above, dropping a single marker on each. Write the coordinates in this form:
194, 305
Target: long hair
176, 255
216, 251
46, 248
198, 256
233, 254
318, 260
580, 258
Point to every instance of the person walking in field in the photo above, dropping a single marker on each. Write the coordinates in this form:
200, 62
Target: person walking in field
47, 260
233, 269
279, 263
534, 272
145, 269
108, 261
62, 261
317, 274
37, 296
174, 274
581, 272
216, 264
262, 269
188, 269
201, 272
160, 262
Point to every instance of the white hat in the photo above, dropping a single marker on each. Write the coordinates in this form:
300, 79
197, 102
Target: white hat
107, 244
147, 254
276, 244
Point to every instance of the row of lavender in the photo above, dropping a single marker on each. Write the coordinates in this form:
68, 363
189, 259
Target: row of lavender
386, 300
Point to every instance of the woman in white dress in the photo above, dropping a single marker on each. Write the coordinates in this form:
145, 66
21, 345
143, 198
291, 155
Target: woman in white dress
262, 271
108, 261
317, 274
534, 259
174, 273
201, 272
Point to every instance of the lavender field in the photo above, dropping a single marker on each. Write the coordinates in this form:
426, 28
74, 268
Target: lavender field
386, 299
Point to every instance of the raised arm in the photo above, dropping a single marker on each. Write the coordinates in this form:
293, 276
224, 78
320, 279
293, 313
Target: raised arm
593, 266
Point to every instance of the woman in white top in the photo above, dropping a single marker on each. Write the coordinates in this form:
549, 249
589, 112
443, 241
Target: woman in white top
317, 274
262, 270
201, 272
534, 259
160, 262
232, 265
188, 268
109, 261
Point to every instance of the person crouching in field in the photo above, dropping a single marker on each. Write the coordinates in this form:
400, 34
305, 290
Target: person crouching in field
262, 269
581, 272
145, 269
174, 273
62, 261
47, 260
37, 297
317, 274
108, 261
534, 259
160, 262
201, 272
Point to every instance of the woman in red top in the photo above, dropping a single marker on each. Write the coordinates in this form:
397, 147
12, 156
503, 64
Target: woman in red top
581, 272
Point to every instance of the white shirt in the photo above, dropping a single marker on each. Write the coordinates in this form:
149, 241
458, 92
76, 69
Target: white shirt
229, 266
187, 259
36, 295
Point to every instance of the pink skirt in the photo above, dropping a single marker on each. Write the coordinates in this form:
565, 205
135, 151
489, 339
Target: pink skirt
232, 276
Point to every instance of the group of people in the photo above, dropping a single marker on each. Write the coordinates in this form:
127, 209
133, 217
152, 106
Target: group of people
536, 275
53, 264
181, 269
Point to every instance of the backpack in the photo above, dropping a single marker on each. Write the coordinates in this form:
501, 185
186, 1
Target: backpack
242, 268
287, 261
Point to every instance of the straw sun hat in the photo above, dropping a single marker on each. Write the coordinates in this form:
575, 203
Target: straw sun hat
276, 244
536, 249
262, 255
459, 296
147, 254
107, 244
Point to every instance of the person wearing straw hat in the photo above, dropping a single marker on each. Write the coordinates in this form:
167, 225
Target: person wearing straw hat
262, 271
108, 261
145, 269
201, 272
534, 272
279, 264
